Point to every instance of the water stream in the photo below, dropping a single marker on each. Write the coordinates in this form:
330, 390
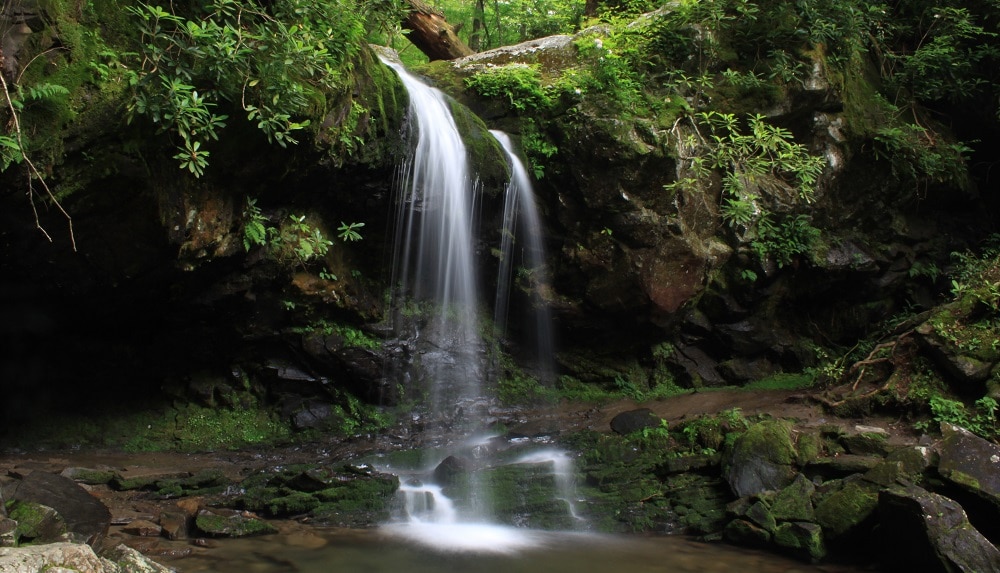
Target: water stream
521, 242
450, 494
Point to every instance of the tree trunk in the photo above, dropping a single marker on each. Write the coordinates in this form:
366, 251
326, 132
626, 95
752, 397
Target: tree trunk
432, 34
478, 26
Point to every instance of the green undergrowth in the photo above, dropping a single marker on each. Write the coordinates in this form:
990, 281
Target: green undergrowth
186, 427
783, 381
349, 335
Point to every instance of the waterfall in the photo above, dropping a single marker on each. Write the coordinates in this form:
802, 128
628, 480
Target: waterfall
434, 268
521, 219
434, 259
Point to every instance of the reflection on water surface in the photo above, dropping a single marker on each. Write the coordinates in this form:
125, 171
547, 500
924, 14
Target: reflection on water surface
401, 549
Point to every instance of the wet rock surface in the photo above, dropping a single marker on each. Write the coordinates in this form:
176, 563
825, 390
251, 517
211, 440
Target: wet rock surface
56, 505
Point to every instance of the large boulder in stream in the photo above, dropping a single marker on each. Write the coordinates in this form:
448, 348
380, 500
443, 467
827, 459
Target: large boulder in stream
927, 532
66, 556
54, 505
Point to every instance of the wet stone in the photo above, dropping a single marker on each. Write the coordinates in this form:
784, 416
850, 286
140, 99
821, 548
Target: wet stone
742, 532
760, 515
867, 443
802, 539
794, 503
634, 421
220, 523
36, 522
8, 532
142, 528
174, 525
82, 515
89, 476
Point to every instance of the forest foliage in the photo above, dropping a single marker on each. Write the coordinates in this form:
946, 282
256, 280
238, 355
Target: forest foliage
912, 74
195, 68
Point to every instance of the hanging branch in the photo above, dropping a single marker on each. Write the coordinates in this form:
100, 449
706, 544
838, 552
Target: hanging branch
33, 171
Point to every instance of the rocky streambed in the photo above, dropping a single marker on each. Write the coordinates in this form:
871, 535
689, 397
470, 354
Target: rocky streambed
766, 471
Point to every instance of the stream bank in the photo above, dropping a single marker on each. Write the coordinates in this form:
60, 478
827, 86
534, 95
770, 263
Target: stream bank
792, 479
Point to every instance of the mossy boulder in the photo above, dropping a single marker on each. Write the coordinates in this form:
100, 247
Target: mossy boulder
794, 503
89, 476
867, 443
222, 523
846, 510
743, 532
761, 459
347, 496
970, 462
35, 522
802, 539
48, 505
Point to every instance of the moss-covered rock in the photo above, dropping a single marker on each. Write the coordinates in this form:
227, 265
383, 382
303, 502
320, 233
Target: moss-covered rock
348, 496
802, 539
794, 503
742, 532
867, 443
218, 523
35, 522
761, 459
843, 511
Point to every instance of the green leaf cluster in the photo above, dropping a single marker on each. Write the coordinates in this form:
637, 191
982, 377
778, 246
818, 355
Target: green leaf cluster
273, 64
980, 420
519, 84
295, 239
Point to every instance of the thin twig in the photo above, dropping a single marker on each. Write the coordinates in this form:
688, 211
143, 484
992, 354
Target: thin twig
34, 170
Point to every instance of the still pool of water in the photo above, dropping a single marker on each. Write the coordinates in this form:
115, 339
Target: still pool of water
481, 550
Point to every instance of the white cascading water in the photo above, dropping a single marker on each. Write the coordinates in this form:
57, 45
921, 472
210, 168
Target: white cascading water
434, 261
521, 220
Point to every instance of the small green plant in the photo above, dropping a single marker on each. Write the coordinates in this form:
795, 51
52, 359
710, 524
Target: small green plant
981, 421
349, 231
303, 240
519, 84
296, 239
254, 226
783, 242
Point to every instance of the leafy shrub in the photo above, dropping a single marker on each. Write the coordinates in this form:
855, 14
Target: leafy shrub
783, 242
519, 84
271, 64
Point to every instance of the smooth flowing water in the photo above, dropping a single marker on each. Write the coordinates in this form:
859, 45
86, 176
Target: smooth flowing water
435, 265
522, 247
434, 258
453, 516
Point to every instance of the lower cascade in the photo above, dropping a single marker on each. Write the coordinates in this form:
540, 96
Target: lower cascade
470, 490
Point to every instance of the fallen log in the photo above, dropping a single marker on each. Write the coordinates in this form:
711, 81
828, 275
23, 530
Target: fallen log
432, 34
